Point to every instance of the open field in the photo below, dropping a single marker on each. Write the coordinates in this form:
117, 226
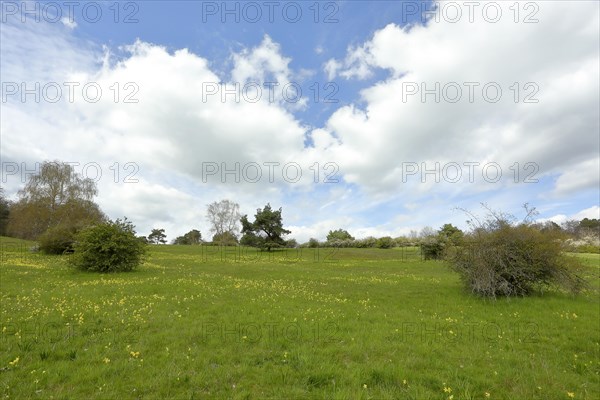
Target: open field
354, 324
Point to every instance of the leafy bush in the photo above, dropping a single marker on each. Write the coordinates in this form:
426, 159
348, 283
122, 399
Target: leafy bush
587, 248
339, 243
385, 242
57, 239
313, 243
291, 243
225, 239
367, 242
503, 259
251, 240
108, 247
433, 248
339, 234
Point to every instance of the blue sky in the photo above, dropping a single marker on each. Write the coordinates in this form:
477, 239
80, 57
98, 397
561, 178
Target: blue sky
380, 106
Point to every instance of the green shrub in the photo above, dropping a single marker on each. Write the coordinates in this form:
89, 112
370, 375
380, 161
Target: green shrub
588, 248
225, 239
313, 243
433, 248
501, 259
385, 242
367, 242
250, 240
57, 239
108, 247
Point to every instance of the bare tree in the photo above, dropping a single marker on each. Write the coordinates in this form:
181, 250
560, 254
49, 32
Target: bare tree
224, 217
56, 184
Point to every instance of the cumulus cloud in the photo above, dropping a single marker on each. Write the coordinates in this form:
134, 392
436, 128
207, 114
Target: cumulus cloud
164, 111
424, 111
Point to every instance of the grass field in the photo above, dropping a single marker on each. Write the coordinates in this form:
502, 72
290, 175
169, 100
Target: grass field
197, 323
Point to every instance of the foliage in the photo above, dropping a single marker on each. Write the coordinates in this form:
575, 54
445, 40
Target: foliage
501, 258
367, 242
193, 237
157, 236
108, 247
591, 224
313, 243
225, 239
223, 217
250, 240
267, 227
339, 234
587, 248
291, 243
56, 195
4, 212
57, 239
385, 242
450, 233
57, 183
433, 247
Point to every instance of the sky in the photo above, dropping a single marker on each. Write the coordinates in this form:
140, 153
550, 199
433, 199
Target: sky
378, 117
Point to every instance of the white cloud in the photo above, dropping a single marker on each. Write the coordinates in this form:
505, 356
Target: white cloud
357, 64
591, 213
559, 56
176, 127
580, 176
69, 23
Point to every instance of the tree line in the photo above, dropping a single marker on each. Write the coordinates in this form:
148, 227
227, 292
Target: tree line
56, 203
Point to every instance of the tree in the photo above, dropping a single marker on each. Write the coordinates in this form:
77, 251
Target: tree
427, 232
108, 247
291, 243
4, 212
267, 227
157, 236
385, 242
56, 184
451, 234
225, 239
590, 226
250, 240
339, 234
223, 217
191, 238
55, 196
313, 243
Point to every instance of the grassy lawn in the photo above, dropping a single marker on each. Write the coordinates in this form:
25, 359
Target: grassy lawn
197, 323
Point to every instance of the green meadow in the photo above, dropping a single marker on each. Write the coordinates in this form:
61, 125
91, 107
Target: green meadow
231, 323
